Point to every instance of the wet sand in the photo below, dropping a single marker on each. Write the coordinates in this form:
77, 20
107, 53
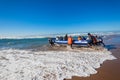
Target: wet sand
109, 70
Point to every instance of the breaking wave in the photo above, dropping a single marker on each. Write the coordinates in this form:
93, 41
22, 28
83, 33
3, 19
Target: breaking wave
18, 64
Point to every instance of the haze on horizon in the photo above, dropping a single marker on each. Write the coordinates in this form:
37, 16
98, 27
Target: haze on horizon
33, 17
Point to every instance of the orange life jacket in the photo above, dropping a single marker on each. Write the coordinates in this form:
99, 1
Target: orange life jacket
79, 38
70, 40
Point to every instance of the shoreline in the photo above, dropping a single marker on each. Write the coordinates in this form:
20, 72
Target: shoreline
93, 60
109, 70
50, 65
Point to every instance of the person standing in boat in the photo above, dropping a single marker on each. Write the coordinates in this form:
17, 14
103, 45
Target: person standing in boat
66, 37
70, 41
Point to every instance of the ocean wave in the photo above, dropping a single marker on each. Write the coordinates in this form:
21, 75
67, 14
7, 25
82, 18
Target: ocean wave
18, 64
21, 37
54, 35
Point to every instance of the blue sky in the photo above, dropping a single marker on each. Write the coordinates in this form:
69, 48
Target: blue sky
33, 17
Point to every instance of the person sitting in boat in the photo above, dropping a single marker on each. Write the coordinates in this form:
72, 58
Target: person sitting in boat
66, 37
70, 41
61, 38
79, 38
57, 38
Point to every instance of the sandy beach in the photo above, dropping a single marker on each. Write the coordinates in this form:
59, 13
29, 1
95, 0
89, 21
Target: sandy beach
109, 70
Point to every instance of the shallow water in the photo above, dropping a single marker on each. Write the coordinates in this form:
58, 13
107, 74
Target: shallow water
36, 43
22, 43
112, 42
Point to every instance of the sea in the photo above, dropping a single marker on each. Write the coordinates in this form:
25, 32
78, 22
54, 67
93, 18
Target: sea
31, 43
19, 59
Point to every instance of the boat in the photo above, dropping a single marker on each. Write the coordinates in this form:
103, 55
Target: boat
75, 42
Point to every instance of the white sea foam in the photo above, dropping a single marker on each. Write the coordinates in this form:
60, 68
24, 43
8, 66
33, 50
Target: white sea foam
49, 65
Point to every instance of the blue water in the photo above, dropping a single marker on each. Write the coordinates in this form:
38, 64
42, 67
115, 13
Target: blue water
113, 40
23, 43
39, 42
116, 40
